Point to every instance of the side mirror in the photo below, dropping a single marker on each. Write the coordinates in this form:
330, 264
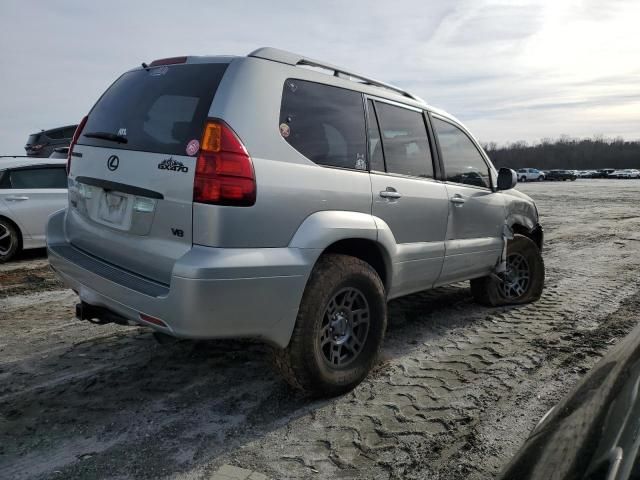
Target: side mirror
507, 179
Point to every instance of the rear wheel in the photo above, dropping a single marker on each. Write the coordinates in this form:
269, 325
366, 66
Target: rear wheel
523, 179
540, 178
522, 282
9, 240
339, 328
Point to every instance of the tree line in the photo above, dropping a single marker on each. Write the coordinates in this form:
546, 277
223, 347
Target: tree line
567, 153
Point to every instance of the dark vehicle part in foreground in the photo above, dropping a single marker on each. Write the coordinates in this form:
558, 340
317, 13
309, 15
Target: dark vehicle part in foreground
593, 432
43, 144
561, 175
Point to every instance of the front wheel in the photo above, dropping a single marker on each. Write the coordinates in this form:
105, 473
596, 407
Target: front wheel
339, 329
523, 179
540, 178
522, 282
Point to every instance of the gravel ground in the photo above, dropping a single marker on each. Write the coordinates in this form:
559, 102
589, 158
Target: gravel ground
456, 392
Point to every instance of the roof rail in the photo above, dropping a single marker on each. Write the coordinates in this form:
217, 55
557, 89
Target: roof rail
282, 56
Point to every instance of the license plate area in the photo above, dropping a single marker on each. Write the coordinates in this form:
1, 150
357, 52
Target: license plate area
114, 210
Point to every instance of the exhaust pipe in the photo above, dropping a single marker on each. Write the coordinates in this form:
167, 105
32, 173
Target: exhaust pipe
98, 315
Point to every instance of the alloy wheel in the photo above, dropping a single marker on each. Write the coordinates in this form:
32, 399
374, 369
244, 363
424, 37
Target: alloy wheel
345, 327
516, 277
6, 240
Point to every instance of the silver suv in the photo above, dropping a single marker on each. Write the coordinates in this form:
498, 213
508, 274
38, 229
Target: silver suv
281, 198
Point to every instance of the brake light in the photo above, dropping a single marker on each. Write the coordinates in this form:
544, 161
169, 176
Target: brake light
224, 170
168, 61
76, 135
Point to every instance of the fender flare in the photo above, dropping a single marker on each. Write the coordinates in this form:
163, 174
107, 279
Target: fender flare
322, 229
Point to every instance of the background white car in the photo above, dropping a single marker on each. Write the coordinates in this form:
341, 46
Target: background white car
627, 173
530, 174
30, 191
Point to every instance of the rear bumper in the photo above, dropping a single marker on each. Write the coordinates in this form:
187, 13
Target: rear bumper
214, 292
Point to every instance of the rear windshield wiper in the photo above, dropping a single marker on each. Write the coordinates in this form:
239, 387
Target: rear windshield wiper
107, 136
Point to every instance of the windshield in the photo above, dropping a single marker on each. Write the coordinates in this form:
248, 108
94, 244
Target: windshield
156, 110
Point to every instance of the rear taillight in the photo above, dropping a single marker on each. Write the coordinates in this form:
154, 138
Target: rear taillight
76, 135
224, 170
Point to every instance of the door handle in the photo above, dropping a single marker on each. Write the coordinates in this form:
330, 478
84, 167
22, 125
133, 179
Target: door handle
390, 192
16, 199
458, 200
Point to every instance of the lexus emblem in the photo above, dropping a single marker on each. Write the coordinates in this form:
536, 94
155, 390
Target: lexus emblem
112, 162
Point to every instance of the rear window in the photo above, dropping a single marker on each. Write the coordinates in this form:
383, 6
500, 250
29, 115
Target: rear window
157, 110
33, 138
324, 123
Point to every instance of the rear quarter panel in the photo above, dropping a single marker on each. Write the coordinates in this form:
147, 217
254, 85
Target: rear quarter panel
289, 186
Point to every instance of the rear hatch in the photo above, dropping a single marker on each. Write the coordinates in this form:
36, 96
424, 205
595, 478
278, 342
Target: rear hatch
132, 169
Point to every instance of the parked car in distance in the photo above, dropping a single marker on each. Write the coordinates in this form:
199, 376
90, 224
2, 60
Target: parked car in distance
593, 432
530, 174
255, 197
626, 173
605, 172
42, 144
588, 174
30, 191
561, 175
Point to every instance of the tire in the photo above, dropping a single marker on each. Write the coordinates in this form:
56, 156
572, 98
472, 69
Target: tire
540, 178
309, 363
9, 240
523, 179
490, 291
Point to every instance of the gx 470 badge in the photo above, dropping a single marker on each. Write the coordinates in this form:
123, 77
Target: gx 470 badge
173, 165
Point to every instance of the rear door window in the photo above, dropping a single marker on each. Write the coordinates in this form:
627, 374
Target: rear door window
157, 110
404, 141
462, 160
48, 177
324, 123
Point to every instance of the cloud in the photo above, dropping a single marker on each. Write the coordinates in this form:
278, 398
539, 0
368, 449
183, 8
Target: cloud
509, 69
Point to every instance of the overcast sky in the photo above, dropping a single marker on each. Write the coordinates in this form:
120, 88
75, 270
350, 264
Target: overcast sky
511, 70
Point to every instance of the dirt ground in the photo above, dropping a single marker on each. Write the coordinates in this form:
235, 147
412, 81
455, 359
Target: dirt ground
457, 390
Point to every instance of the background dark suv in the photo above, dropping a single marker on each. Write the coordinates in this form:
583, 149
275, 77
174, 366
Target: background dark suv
42, 144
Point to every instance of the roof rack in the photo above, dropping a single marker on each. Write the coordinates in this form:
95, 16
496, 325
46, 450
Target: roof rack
289, 58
